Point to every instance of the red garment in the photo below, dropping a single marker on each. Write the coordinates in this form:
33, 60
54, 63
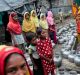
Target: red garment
54, 33
4, 53
14, 26
44, 48
78, 26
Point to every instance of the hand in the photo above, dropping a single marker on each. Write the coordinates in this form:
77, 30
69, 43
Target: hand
52, 29
35, 67
51, 61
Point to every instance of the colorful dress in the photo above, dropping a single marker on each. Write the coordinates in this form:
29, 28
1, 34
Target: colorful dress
44, 48
51, 25
43, 23
15, 30
34, 19
78, 27
74, 10
28, 25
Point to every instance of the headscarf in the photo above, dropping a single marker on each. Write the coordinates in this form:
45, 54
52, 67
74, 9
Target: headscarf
50, 18
5, 51
35, 19
43, 23
79, 10
14, 26
28, 25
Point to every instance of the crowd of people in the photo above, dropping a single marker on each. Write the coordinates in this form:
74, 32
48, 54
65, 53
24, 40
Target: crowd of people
39, 34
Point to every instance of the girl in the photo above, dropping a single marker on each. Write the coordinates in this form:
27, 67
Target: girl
44, 49
34, 18
15, 30
51, 24
13, 61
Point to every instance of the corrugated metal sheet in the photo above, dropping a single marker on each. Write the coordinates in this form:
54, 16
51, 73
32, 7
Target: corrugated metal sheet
12, 4
3, 6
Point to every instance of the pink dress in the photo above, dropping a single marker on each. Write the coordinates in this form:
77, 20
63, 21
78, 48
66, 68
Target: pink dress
51, 24
44, 48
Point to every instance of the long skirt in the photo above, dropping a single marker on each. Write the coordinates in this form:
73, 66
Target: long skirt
39, 71
52, 35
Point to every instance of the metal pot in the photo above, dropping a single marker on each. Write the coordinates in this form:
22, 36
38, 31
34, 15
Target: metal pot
62, 50
61, 41
57, 59
71, 56
77, 59
61, 71
73, 73
66, 53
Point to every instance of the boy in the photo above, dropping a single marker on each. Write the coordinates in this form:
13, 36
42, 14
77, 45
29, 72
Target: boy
32, 40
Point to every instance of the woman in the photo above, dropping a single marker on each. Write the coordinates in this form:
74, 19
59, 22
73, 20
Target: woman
13, 61
51, 24
78, 26
45, 51
34, 18
28, 25
15, 30
74, 10
43, 22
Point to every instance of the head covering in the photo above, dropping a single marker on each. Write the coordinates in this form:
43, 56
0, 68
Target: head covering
50, 18
28, 25
35, 19
43, 23
14, 26
5, 51
79, 10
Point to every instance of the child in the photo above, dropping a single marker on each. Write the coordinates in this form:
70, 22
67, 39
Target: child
44, 48
37, 66
60, 15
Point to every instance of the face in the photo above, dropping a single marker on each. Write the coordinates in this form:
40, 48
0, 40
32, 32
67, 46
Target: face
16, 65
44, 33
27, 16
15, 17
43, 17
34, 41
34, 14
